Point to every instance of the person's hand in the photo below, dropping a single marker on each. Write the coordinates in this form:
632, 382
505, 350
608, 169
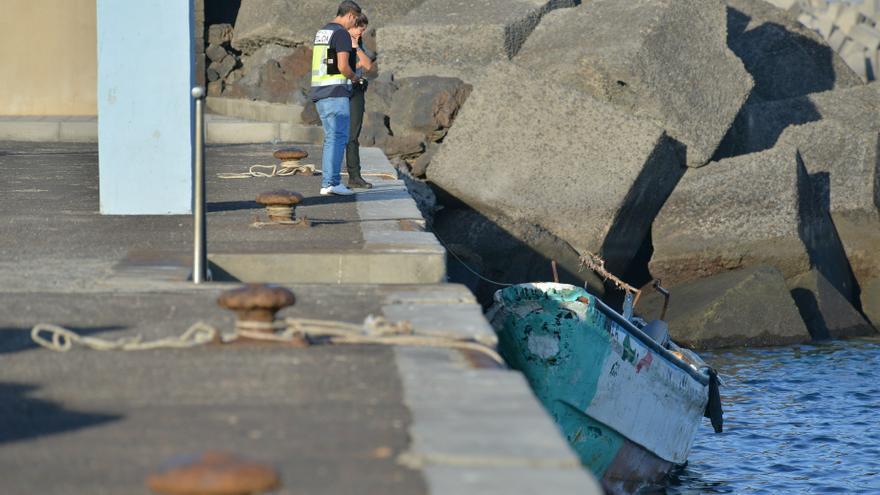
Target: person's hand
355, 37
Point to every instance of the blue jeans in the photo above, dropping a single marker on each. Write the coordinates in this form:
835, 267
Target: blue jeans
335, 116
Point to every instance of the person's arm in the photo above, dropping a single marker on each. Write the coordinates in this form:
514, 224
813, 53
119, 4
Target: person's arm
344, 68
364, 59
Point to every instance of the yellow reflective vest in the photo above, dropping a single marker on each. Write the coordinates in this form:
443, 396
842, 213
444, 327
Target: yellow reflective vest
325, 71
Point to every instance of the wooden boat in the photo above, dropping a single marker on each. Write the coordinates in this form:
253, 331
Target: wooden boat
628, 404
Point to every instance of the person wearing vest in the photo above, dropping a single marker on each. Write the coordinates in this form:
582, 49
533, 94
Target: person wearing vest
332, 79
361, 62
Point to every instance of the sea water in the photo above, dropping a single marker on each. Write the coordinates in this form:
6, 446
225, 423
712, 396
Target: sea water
802, 419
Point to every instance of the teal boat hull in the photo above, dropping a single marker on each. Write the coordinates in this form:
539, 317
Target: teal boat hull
628, 407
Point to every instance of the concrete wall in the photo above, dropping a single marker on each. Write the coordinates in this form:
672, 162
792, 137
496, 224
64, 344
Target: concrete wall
47, 48
145, 75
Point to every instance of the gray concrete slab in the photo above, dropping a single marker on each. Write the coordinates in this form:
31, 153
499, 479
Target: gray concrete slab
65, 175
238, 128
331, 419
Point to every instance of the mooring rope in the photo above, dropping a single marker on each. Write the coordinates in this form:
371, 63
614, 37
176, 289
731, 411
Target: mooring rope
373, 331
286, 169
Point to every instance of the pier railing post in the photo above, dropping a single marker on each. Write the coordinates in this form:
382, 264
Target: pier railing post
200, 268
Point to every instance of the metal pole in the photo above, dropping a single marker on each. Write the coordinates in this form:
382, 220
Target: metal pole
200, 266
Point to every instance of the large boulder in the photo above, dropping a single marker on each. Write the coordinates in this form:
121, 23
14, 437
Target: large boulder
275, 74
785, 58
860, 235
578, 168
845, 164
871, 301
759, 126
459, 38
748, 307
824, 310
757, 209
295, 22
663, 60
427, 105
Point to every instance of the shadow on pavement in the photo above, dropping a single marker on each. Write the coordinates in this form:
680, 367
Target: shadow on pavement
23, 418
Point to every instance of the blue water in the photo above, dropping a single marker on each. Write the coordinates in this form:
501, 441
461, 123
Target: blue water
803, 419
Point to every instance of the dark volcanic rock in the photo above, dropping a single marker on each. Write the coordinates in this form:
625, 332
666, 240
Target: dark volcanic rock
427, 105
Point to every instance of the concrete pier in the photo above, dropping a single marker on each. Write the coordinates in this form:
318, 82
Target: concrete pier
331, 419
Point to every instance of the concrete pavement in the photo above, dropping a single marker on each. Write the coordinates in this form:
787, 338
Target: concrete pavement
341, 419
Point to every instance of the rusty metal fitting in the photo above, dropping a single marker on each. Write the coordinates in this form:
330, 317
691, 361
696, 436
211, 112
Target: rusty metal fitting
280, 204
256, 303
290, 158
213, 473
255, 306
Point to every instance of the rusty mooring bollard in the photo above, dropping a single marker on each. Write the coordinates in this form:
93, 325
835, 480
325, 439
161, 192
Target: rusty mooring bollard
290, 157
255, 306
213, 473
280, 204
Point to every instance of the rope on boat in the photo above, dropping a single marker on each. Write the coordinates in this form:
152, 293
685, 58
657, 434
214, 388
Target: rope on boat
374, 330
597, 264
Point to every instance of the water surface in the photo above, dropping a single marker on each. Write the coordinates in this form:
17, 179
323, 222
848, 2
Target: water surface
802, 419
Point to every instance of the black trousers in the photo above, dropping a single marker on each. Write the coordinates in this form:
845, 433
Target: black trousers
352, 149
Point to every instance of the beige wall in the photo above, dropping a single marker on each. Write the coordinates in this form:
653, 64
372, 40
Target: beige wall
48, 57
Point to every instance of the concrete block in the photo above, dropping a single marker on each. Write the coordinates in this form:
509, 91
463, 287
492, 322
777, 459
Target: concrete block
297, 133
784, 58
825, 311
848, 19
469, 417
293, 22
756, 209
260, 111
465, 36
456, 320
657, 74
240, 132
488, 160
844, 163
25, 129
866, 35
855, 56
871, 301
860, 235
519, 480
758, 127
869, 8
78, 131
400, 265
836, 39
748, 307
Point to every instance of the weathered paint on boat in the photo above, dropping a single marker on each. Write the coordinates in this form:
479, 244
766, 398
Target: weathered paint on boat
628, 407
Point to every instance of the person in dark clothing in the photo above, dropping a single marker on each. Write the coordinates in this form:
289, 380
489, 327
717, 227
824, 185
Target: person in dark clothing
361, 61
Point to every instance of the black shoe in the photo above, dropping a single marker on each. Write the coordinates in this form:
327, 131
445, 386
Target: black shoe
358, 182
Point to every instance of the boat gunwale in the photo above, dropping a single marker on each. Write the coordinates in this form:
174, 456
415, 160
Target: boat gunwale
633, 330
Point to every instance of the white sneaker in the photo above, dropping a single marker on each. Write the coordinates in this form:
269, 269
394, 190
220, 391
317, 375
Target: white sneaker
338, 189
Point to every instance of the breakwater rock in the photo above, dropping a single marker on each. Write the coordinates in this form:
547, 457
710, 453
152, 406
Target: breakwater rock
722, 146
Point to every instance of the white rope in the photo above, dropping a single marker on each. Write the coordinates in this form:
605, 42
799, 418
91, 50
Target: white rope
373, 331
286, 169
62, 339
